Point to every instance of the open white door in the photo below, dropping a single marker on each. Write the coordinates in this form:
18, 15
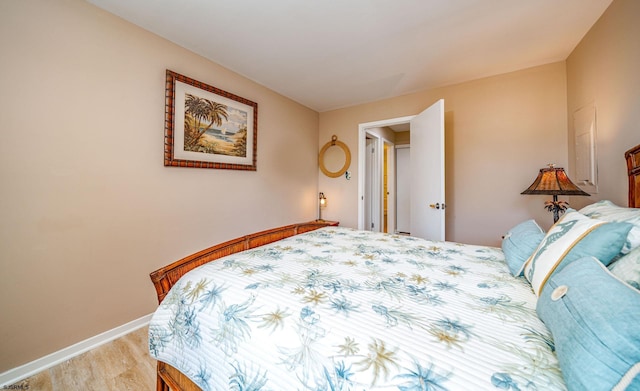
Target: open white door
427, 173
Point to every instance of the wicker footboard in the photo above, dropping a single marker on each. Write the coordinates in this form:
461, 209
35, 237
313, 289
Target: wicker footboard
168, 377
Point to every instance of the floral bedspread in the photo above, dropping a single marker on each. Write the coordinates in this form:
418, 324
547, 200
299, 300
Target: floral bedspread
341, 309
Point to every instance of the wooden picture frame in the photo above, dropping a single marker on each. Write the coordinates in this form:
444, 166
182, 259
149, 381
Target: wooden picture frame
206, 127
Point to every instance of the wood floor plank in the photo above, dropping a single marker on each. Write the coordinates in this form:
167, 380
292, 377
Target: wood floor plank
122, 364
77, 374
134, 379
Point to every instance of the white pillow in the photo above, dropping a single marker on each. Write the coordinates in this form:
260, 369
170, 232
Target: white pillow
627, 268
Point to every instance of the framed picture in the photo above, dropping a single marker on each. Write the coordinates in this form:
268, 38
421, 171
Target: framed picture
206, 127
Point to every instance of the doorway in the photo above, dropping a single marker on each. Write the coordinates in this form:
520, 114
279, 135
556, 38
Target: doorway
377, 186
426, 174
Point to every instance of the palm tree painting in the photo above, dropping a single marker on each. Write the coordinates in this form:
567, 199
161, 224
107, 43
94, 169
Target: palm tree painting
214, 128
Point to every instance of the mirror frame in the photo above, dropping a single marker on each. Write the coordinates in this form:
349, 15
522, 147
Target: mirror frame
347, 161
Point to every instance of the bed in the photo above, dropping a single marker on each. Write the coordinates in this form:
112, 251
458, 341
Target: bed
316, 306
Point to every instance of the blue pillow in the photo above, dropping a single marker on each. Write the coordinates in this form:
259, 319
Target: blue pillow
595, 322
519, 243
574, 236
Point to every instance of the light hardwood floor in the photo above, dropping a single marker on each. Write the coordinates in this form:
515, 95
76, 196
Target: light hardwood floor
123, 364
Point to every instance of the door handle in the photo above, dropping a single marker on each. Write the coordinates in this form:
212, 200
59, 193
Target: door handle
437, 206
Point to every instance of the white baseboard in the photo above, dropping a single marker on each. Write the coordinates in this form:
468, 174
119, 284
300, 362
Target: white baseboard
29, 369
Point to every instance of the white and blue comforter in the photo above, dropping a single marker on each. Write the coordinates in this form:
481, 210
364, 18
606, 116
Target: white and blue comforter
340, 309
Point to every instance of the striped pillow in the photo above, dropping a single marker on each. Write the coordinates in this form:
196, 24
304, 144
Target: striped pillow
627, 268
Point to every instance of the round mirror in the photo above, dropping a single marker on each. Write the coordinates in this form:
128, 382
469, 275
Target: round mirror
330, 159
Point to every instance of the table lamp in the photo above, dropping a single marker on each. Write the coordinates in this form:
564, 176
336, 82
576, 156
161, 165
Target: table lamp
554, 181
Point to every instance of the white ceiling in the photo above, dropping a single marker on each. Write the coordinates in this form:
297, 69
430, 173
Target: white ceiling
328, 54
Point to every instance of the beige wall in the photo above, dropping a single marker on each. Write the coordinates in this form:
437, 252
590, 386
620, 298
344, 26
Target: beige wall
499, 132
604, 70
403, 138
87, 207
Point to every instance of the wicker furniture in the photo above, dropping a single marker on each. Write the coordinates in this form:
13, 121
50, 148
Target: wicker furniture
164, 278
633, 167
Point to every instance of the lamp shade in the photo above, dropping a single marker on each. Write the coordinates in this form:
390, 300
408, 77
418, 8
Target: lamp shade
554, 181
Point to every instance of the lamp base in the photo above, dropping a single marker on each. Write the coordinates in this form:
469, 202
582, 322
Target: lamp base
557, 207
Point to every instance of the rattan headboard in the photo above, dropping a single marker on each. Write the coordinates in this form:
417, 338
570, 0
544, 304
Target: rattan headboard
633, 167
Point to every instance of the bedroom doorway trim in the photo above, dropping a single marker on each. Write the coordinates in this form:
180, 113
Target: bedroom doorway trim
427, 170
